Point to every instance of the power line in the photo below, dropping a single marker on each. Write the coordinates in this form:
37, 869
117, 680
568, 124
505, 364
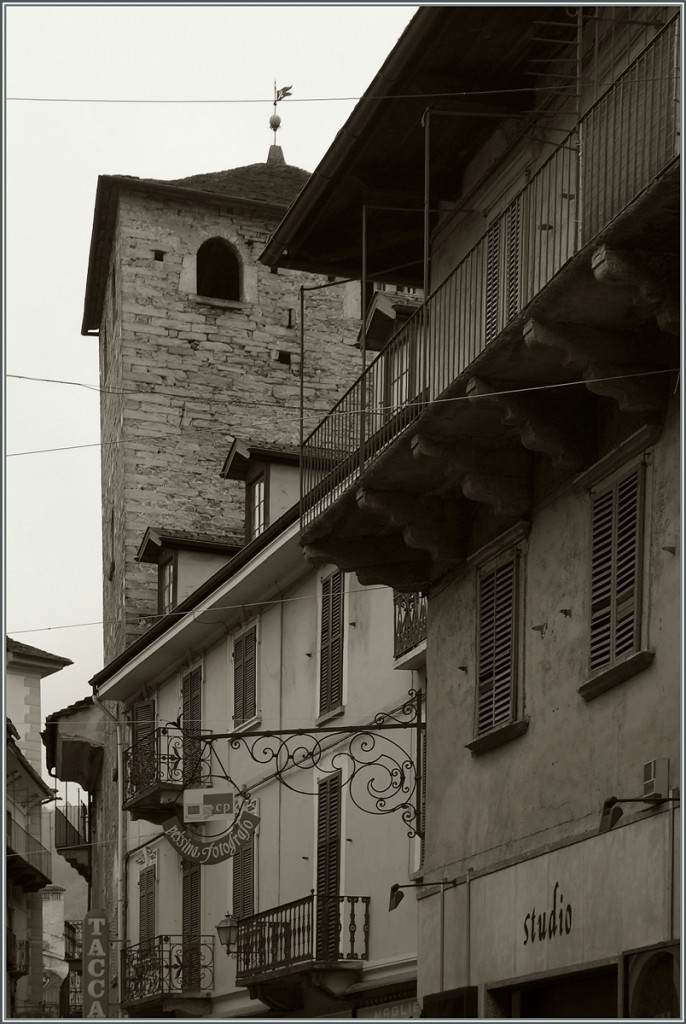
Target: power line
371, 411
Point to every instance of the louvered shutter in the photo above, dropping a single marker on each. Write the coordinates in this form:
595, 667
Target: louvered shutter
615, 571
492, 278
190, 924
331, 644
244, 677
328, 866
191, 696
497, 647
143, 768
512, 222
143, 719
244, 881
146, 905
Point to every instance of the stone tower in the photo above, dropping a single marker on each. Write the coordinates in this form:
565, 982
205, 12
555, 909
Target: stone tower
199, 344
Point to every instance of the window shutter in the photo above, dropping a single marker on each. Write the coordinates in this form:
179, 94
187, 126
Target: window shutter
513, 221
191, 697
615, 571
497, 647
328, 866
143, 719
190, 924
146, 905
244, 677
331, 644
492, 275
244, 881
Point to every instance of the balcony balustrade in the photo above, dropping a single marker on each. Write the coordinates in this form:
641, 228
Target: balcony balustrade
410, 612
166, 759
17, 955
313, 931
168, 965
28, 862
73, 940
72, 837
624, 142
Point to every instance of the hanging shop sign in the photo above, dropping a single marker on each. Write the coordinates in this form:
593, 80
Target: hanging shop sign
96, 954
207, 805
214, 849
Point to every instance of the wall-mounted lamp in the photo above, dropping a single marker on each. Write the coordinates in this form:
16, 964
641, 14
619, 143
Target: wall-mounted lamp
397, 895
612, 812
227, 930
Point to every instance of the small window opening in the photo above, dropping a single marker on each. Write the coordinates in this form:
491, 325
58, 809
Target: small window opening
218, 270
159, 255
273, 270
284, 357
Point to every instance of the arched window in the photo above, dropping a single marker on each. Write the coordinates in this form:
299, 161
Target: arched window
218, 270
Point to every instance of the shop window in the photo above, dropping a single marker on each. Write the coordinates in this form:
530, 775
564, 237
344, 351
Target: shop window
256, 506
166, 585
218, 270
244, 677
331, 644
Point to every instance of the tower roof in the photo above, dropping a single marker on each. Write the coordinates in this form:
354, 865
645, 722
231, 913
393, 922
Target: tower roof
273, 182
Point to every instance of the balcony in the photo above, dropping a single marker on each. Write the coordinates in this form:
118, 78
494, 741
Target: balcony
280, 950
410, 612
582, 246
72, 839
73, 940
17, 954
168, 972
28, 862
158, 767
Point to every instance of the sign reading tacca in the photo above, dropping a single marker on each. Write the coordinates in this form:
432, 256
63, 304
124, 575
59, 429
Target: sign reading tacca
207, 804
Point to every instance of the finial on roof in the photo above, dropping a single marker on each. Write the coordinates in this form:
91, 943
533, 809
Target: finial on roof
275, 120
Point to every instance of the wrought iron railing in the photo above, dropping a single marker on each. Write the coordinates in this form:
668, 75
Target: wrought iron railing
410, 611
167, 965
620, 146
75, 995
73, 940
165, 757
316, 928
17, 955
21, 844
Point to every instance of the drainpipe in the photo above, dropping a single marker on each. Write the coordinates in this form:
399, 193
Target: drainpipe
120, 838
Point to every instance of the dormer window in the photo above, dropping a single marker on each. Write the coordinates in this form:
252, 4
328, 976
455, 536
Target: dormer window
166, 585
256, 506
218, 270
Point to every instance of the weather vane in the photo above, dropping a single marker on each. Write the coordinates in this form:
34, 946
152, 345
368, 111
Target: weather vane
279, 94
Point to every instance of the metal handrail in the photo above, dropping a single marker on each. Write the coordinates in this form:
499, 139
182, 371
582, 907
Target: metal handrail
410, 618
314, 928
166, 756
28, 848
167, 965
627, 138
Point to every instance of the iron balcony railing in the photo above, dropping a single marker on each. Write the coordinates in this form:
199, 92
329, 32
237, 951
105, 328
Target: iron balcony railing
17, 955
166, 757
619, 147
167, 965
73, 940
410, 611
326, 929
25, 847
71, 826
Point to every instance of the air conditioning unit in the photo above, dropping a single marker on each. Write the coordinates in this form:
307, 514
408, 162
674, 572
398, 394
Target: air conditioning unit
656, 778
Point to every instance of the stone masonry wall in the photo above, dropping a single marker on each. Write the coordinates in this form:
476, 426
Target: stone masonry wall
197, 373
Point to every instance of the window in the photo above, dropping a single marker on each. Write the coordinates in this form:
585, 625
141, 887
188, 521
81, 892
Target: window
244, 881
244, 677
190, 924
502, 270
146, 905
218, 270
331, 644
497, 646
191, 692
142, 771
256, 506
166, 585
328, 866
617, 543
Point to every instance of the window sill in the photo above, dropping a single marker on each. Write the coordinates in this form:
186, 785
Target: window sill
250, 723
616, 674
332, 713
208, 300
496, 737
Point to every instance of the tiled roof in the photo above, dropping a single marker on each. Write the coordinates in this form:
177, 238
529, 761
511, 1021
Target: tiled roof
71, 709
16, 647
272, 182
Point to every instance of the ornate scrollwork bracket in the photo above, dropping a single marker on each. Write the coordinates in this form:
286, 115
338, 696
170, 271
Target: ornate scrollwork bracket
382, 774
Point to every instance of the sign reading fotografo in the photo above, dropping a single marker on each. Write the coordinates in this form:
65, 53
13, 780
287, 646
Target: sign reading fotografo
213, 849
96, 952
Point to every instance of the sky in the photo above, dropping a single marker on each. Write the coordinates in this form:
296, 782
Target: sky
54, 152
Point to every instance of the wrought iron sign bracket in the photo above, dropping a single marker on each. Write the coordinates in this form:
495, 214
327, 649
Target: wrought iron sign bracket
381, 775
